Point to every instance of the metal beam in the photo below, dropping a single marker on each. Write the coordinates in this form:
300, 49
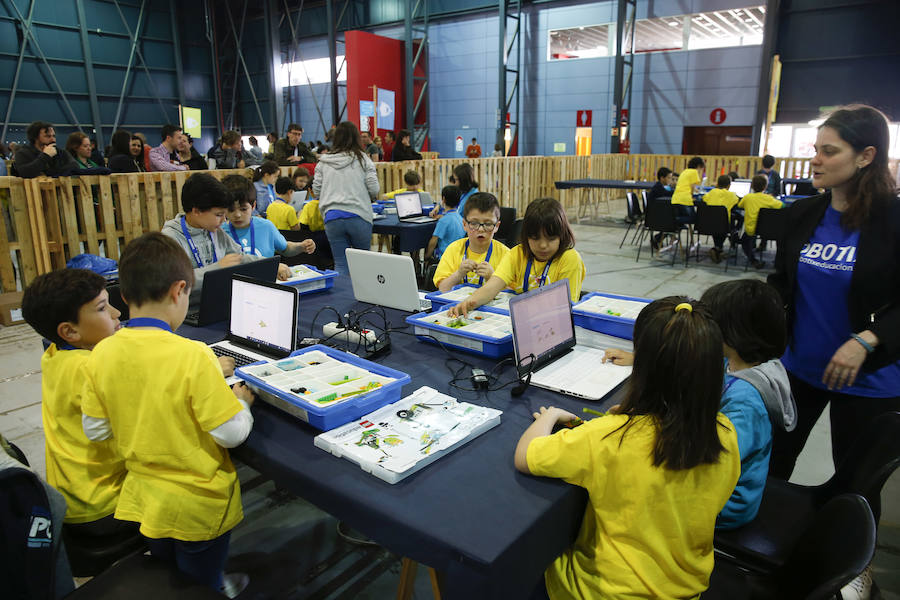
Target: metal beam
416, 22
89, 72
15, 84
332, 57
767, 51
273, 50
622, 84
295, 48
246, 70
176, 52
214, 56
506, 97
130, 63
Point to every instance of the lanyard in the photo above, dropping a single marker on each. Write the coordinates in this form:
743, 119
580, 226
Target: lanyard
541, 280
234, 234
486, 258
66, 347
193, 246
148, 322
272, 194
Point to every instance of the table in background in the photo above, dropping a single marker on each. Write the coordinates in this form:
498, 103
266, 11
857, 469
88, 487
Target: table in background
488, 528
793, 181
408, 237
586, 185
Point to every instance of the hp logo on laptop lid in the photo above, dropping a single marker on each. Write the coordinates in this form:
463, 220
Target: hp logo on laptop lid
380, 278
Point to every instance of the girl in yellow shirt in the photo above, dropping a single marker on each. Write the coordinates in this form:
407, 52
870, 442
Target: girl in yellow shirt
546, 253
657, 470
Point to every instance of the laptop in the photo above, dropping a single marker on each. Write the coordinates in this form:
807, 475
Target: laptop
409, 208
741, 187
385, 279
215, 296
544, 344
262, 322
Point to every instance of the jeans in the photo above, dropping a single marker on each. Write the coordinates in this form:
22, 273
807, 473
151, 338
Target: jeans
352, 232
203, 561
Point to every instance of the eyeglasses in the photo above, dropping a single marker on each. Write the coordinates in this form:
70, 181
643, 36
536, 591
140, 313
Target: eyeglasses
481, 226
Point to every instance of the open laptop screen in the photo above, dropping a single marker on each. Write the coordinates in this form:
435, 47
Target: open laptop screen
741, 187
264, 314
408, 204
542, 324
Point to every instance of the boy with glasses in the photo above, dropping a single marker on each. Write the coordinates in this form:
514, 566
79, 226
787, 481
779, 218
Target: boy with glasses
473, 258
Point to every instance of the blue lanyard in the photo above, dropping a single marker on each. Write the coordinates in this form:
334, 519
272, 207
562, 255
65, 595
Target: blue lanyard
193, 246
66, 347
486, 258
272, 194
234, 234
148, 322
543, 278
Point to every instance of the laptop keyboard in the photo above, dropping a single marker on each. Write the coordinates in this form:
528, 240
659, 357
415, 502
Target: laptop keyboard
240, 360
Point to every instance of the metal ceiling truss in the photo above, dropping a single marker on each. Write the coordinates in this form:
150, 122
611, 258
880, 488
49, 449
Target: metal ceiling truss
416, 24
622, 86
337, 111
294, 56
508, 95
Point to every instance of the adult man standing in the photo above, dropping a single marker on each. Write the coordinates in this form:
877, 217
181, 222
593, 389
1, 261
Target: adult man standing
473, 150
161, 156
290, 150
40, 156
370, 148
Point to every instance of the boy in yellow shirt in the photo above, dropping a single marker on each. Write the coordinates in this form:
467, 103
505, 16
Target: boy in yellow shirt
687, 185
473, 258
280, 212
752, 203
162, 402
720, 196
70, 307
311, 217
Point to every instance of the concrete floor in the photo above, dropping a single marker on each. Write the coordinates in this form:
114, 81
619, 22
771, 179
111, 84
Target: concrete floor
299, 536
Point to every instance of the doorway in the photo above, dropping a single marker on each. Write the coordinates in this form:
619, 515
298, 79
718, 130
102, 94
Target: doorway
711, 141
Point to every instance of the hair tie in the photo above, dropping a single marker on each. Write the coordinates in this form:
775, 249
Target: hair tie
684, 306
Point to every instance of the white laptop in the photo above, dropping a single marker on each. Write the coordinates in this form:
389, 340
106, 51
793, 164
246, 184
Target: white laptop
409, 208
262, 323
298, 199
385, 279
740, 187
544, 345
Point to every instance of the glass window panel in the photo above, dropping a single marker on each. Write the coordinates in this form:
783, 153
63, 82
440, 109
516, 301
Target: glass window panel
578, 42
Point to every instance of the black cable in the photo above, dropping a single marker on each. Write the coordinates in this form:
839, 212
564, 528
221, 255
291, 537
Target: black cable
340, 320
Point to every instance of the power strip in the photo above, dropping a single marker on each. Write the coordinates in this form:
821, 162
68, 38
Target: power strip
365, 338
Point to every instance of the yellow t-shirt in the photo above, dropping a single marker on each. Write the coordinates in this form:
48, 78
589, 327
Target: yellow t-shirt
88, 474
283, 215
721, 197
568, 266
682, 193
456, 252
162, 394
647, 531
311, 217
751, 203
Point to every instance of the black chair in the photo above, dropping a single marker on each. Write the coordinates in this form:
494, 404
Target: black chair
771, 224
321, 258
115, 299
635, 215
507, 223
91, 555
712, 220
644, 201
660, 217
764, 545
515, 234
834, 548
18, 454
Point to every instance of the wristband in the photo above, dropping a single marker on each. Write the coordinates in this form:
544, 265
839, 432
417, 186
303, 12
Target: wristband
869, 348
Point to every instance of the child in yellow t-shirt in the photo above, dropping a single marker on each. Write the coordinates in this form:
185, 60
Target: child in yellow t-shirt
473, 258
311, 217
70, 308
688, 184
162, 402
657, 470
545, 254
752, 203
280, 212
720, 196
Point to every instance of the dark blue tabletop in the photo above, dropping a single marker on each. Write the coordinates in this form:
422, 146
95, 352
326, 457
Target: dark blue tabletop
796, 180
604, 183
471, 515
410, 236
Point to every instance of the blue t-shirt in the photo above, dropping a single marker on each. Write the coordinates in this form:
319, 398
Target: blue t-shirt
266, 236
265, 195
335, 214
745, 408
448, 230
462, 200
821, 316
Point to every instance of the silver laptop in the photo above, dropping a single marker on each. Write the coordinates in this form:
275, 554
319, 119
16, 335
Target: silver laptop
262, 323
385, 279
740, 187
409, 208
544, 345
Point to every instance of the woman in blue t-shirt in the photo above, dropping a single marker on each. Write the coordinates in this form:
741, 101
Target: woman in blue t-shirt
838, 271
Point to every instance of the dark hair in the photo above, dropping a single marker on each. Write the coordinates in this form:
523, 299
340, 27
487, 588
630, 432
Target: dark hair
57, 296
750, 315
35, 129
473, 139
75, 139
696, 163
663, 172
273, 134
465, 177
450, 194
299, 172
346, 139
402, 134
149, 266
759, 183
546, 216
230, 137
390, 133
204, 192
862, 126
484, 202
169, 130
734, 175
253, 141
283, 184
294, 127
241, 190
768, 161
411, 178
677, 380
135, 136
267, 167
120, 143
724, 181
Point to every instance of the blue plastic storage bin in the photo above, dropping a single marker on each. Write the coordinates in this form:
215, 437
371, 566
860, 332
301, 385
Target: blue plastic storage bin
324, 281
475, 343
334, 415
617, 326
439, 299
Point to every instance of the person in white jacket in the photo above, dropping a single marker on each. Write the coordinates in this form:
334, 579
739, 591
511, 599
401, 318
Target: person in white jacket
345, 183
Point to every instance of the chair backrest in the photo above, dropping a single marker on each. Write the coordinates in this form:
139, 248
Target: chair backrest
771, 223
116, 300
507, 223
515, 234
661, 217
834, 549
644, 200
712, 220
631, 204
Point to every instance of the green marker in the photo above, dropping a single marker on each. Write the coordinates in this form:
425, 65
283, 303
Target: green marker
591, 411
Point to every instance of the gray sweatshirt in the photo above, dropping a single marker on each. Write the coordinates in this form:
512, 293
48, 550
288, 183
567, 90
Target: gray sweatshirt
343, 182
771, 381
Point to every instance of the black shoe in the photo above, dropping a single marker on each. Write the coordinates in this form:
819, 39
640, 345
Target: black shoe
758, 264
715, 255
